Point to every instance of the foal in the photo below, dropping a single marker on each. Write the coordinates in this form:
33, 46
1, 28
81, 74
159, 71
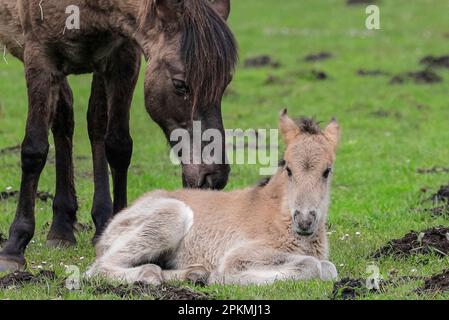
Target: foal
257, 235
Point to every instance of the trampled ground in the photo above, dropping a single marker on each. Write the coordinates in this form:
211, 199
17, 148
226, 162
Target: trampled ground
393, 137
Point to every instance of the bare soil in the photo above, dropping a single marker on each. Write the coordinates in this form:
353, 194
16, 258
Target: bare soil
438, 62
21, 278
436, 283
442, 194
262, 61
419, 77
434, 240
318, 56
433, 170
371, 73
162, 292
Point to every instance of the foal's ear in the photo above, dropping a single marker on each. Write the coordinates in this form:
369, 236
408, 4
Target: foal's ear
288, 127
168, 10
332, 132
222, 7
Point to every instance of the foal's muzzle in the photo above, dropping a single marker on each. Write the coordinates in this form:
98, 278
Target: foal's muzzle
304, 223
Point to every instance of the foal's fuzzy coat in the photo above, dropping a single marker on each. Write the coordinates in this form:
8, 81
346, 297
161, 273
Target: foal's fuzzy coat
256, 235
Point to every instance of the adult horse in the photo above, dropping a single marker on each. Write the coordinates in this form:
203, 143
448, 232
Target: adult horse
192, 55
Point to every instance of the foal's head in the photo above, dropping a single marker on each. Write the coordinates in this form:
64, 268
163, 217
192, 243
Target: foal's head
309, 159
192, 57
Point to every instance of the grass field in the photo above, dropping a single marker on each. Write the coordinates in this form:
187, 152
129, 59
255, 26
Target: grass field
389, 131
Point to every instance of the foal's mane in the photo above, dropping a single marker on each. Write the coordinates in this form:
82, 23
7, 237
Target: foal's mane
208, 49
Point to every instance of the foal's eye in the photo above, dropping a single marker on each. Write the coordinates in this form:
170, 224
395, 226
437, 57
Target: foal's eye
327, 172
180, 86
289, 172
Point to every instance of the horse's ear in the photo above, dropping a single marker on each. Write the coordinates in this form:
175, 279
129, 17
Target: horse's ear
332, 132
222, 7
168, 10
288, 127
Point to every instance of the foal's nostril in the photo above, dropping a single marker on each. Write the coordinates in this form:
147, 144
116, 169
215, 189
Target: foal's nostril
312, 214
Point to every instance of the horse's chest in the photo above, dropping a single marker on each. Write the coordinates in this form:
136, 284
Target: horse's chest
84, 55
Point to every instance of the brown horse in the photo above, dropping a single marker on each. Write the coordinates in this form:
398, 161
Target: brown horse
275, 231
191, 53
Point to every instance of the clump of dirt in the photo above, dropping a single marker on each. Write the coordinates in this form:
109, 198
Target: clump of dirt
438, 62
431, 240
420, 77
371, 73
432, 170
161, 292
2, 239
436, 283
348, 289
381, 113
318, 56
13, 149
41, 195
261, 61
21, 278
353, 2
438, 211
442, 194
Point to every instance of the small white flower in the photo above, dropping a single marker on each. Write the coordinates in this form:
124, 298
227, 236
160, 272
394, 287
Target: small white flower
413, 270
81, 258
9, 188
357, 233
341, 264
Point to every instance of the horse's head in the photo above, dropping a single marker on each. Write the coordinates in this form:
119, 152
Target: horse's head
192, 56
309, 159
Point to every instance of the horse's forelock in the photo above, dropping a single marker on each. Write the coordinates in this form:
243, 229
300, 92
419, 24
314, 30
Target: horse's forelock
209, 52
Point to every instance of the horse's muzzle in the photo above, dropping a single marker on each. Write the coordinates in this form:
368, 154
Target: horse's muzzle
213, 177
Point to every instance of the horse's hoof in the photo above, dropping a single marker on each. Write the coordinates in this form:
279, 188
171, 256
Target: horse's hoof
60, 243
11, 265
197, 275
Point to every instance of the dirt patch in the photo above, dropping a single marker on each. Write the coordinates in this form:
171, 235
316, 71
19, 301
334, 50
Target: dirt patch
318, 56
419, 77
371, 73
438, 211
381, 113
442, 194
261, 61
434, 240
41, 195
438, 62
13, 149
162, 292
437, 283
2, 239
349, 289
275, 80
433, 170
354, 2
22, 278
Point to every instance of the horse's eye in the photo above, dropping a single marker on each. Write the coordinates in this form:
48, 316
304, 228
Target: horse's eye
327, 172
180, 86
289, 172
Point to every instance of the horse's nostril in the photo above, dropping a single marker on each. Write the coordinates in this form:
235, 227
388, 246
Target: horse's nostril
313, 214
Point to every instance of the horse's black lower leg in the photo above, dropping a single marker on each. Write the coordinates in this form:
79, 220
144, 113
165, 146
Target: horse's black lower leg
64, 205
120, 78
41, 93
97, 119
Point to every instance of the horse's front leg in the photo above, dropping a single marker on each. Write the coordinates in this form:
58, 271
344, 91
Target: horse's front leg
120, 79
65, 204
42, 85
97, 120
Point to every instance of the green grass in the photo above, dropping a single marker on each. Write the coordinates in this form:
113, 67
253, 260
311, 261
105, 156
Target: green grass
376, 185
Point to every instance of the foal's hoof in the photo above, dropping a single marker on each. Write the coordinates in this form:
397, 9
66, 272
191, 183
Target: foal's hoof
11, 265
197, 275
328, 271
60, 243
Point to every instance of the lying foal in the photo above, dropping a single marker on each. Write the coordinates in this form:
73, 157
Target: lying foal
257, 235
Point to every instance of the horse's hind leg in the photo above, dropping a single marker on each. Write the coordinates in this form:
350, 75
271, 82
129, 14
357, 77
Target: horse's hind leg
142, 233
64, 205
43, 87
261, 266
